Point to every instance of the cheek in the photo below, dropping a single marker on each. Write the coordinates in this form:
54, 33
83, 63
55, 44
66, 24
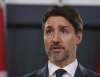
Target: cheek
69, 41
46, 42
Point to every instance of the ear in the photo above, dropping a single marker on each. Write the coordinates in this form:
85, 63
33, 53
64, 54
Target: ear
79, 38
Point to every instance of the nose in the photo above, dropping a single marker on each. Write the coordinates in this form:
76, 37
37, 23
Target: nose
56, 38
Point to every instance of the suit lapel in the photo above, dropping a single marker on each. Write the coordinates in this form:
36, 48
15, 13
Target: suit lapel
43, 72
81, 71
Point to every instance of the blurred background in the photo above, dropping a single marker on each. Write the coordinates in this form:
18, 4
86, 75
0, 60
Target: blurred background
25, 51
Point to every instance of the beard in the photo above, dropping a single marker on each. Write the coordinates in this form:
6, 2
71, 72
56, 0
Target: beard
58, 57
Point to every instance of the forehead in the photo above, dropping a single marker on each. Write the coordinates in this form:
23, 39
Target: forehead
57, 21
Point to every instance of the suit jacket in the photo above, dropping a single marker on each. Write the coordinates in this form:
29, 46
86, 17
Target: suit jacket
80, 72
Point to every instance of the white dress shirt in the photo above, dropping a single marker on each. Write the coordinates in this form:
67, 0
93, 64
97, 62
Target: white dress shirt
71, 68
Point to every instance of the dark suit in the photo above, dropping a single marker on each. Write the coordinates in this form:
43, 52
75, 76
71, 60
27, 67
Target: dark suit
80, 72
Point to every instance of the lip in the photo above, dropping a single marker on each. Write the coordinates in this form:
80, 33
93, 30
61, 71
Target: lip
57, 50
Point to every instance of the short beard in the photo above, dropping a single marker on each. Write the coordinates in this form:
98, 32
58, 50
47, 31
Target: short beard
58, 57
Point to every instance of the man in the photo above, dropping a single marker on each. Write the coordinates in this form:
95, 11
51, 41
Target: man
63, 28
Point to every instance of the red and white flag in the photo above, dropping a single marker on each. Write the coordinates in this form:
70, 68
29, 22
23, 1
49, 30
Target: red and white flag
3, 70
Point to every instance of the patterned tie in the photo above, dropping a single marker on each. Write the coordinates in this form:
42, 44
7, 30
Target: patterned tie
60, 72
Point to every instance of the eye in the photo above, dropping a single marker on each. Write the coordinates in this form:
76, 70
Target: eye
48, 31
64, 30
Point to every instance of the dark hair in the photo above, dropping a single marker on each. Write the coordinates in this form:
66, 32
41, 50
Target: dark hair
68, 13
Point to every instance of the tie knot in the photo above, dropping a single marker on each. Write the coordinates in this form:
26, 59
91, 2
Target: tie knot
60, 72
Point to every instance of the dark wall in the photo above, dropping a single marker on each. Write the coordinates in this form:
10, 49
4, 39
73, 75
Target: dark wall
25, 50
33, 14
25, 39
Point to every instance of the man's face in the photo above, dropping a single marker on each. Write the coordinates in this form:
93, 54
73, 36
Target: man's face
60, 39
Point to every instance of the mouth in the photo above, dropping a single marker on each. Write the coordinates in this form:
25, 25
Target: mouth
57, 49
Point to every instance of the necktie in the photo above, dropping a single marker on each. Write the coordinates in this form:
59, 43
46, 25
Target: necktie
59, 72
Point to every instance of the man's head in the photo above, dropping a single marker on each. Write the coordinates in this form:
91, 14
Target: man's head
63, 28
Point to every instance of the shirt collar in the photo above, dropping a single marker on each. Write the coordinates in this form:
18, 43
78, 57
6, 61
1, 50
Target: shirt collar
71, 68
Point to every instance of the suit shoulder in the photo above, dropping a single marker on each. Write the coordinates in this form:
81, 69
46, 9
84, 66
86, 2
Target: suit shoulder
88, 72
32, 74
29, 74
93, 74
35, 73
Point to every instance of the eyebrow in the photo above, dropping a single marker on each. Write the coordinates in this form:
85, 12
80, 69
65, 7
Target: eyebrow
60, 26
49, 27
63, 26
